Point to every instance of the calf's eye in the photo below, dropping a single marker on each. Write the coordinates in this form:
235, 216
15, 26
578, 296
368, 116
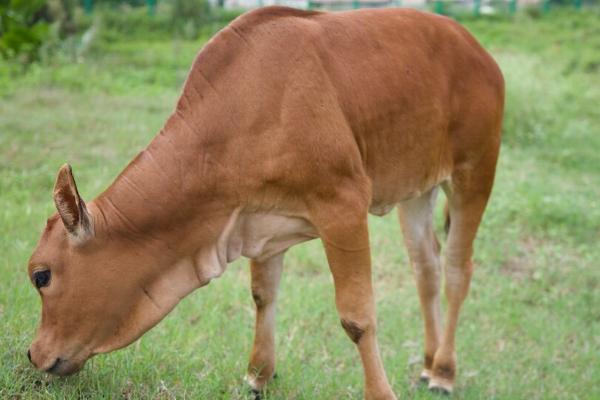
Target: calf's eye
41, 278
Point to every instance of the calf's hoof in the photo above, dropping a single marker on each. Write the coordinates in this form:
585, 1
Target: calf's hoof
256, 394
256, 386
425, 376
440, 386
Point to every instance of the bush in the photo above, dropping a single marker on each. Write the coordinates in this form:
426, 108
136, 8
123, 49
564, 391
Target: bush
132, 22
36, 30
189, 16
23, 28
188, 19
62, 13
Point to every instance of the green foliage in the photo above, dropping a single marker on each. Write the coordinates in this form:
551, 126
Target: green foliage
188, 16
22, 30
181, 19
533, 11
63, 14
133, 23
45, 29
42, 29
118, 3
224, 16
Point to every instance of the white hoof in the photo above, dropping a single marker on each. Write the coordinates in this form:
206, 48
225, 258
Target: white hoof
251, 381
440, 385
425, 376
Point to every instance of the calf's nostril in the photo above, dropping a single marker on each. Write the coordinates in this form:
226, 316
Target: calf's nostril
54, 366
29, 356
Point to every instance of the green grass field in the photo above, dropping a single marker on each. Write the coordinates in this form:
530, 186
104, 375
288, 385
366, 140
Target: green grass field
530, 328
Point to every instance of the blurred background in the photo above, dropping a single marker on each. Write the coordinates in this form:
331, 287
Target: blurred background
32, 29
91, 82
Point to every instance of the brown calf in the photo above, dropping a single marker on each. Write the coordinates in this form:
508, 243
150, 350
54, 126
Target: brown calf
292, 125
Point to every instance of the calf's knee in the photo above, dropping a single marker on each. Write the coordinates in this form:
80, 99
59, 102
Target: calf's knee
356, 330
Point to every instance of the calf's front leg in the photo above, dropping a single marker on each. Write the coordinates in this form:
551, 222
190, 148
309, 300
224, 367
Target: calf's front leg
265, 285
346, 243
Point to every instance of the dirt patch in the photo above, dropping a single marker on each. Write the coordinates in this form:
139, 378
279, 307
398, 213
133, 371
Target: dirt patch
522, 266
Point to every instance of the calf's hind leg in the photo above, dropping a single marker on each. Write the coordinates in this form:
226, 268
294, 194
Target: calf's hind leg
265, 285
416, 220
467, 193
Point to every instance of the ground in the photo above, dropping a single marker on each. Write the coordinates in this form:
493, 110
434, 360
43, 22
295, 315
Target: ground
530, 327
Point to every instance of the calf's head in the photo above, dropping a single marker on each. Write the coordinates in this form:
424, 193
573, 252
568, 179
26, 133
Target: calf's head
100, 291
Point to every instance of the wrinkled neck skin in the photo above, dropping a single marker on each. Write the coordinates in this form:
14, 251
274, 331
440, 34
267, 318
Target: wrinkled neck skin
168, 271
179, 236
177, 209
194, 199
179, 196
168, 211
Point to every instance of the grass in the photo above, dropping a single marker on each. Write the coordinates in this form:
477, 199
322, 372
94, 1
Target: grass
529, 329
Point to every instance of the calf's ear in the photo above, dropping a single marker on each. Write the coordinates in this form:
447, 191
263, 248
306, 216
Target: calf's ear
71, 206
